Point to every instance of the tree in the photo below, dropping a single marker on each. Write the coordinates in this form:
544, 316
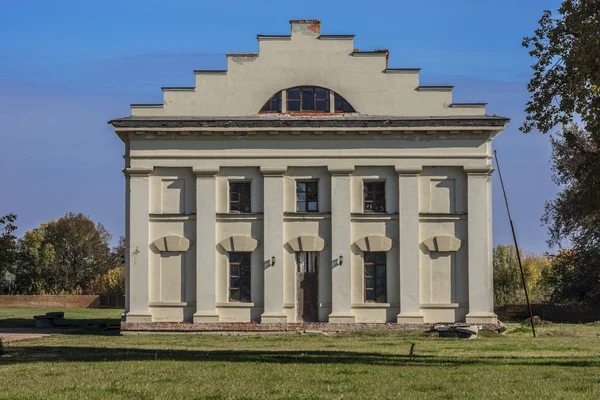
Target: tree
508, 286
8, 245
113, 282
66, 255
566, 74
565, 87
573, 279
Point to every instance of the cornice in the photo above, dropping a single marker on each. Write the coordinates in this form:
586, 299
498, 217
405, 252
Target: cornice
282, 123
408, 171
206, 172
340, 170
137, 171
273, 171
486, 170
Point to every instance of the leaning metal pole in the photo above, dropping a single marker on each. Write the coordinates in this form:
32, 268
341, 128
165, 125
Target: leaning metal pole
512, 227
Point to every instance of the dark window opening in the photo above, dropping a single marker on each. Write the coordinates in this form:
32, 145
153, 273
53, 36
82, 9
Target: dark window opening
307, 99
239, 197
374, 197
307, 261
341, 105
307, 197
273, 104
239, 277
375, 277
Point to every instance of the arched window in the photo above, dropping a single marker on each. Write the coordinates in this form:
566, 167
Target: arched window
309, 99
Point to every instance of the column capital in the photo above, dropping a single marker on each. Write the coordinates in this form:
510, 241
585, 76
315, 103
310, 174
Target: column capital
137, 171
273, 171
486, 170
206, 172
408, 171
340, 169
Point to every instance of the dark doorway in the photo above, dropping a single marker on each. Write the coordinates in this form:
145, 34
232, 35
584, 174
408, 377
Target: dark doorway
307, 289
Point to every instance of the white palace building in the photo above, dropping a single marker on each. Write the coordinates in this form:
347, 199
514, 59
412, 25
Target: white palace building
309, 182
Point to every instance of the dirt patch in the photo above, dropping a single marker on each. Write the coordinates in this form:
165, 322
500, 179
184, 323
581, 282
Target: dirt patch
12, 335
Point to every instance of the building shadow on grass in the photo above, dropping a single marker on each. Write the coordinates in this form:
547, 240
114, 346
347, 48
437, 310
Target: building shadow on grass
69, 324
35, 354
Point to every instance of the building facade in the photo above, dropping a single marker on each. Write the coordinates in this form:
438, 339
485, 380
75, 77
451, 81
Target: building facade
309, 182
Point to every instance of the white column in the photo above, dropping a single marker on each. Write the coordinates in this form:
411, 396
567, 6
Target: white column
341, 242
206, 245
408, 209
138, 237
481, 286
273, 245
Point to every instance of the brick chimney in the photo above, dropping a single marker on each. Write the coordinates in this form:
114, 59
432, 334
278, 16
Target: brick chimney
306, 27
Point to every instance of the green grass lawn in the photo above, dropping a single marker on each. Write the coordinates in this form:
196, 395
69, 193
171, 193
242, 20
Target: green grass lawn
563, 362
74, 317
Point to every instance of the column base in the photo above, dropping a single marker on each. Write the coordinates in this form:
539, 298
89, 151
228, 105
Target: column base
410, 318
341, 318
138, 317
481, 318
273, 318
206, 317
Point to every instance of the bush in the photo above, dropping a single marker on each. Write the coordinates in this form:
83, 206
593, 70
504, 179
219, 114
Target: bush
113, 282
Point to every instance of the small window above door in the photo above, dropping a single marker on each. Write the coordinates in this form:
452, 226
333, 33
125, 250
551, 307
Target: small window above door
307, 261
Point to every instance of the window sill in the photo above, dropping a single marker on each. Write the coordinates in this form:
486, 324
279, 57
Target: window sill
368, 216
239, 216
371, 305
299, 216
442, 216
444, 305
235, 305
172, 304
172, 217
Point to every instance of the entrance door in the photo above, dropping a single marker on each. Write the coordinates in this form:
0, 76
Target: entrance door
307, 289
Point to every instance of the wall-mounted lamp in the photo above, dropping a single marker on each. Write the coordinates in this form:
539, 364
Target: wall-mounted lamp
272, 260
341, 259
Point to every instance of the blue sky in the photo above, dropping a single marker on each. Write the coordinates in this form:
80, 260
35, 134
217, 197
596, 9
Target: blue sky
67, 67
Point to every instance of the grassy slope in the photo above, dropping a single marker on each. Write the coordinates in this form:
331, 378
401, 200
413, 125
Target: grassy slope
564, 362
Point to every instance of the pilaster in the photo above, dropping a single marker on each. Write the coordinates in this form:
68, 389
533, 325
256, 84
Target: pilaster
410, 285
206, 243
273, 244
481, 289
137, 241
341, 242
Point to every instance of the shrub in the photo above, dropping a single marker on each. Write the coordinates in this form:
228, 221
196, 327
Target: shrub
113, 282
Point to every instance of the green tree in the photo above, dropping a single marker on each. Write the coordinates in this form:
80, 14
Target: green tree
35, 268
8, 245
113, 282
66, 255
565, 87
573, 280
508, 286
566, 74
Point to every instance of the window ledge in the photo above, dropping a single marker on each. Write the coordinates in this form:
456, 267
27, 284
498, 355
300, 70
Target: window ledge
235, 305
371, 305
239, 216
373, 216
444, 305
172, 217
442, 216
172, 304
296, 216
